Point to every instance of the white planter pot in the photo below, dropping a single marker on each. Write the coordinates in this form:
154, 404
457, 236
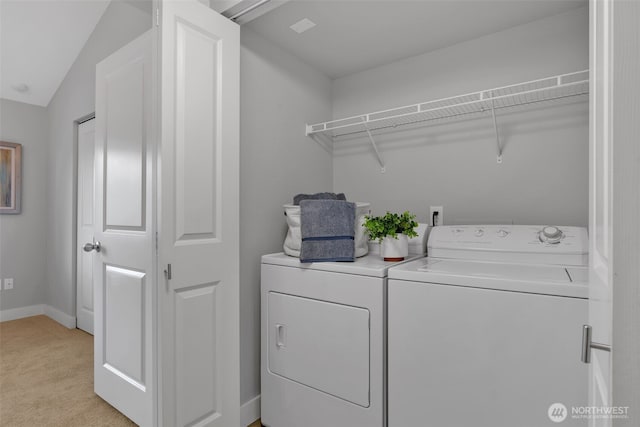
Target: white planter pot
395, 249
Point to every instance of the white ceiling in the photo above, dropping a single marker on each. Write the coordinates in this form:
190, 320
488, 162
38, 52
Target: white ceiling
39, 41
355, 35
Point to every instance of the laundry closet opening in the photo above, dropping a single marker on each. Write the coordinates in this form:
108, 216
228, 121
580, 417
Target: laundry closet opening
362, 58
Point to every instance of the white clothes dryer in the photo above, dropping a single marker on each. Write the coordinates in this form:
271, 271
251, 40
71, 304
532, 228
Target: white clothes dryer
323, 341
486, 331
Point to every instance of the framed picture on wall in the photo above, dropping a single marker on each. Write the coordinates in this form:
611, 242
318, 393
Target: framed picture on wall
10, 177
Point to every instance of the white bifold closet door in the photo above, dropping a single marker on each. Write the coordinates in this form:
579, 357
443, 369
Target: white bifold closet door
199, 242
600, 207
125, 281
167, 207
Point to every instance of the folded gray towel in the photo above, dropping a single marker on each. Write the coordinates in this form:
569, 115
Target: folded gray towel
327, 229
318, 196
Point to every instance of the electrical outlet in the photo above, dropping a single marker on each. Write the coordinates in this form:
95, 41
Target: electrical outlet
436, 215
8, 283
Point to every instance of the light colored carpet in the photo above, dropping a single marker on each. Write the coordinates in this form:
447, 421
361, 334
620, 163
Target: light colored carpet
46, 377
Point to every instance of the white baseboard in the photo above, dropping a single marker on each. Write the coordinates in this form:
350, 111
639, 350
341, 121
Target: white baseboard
21, 312
61, 317
36, 310
250, 411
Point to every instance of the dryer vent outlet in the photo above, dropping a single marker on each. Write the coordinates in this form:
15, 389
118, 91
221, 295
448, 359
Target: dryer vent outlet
436, 216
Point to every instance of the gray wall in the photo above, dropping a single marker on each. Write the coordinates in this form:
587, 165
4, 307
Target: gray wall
22, 253
122, 22
544, 176
278, 94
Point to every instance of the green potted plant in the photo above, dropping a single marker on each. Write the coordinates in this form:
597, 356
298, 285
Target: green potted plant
392, 231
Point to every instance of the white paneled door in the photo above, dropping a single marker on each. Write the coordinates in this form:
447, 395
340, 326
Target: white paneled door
600, 214
199, 216
124, 250
84, 261
614, 211
168, 267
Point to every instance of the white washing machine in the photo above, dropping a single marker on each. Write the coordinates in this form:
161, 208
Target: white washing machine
323, 341
486, 331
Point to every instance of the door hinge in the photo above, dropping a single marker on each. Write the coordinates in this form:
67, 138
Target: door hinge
156, 243
157, 17
167, 272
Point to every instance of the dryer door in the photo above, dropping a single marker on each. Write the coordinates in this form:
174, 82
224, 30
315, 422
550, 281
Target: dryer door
321, 345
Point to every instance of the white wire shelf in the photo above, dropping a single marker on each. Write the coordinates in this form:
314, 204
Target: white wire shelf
547, 89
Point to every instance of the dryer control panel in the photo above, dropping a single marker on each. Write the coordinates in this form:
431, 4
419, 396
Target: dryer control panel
537, 244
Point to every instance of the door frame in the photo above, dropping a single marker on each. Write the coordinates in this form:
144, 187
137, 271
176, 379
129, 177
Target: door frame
74, 209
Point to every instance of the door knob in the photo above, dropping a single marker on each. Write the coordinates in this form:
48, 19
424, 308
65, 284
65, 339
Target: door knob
88, 247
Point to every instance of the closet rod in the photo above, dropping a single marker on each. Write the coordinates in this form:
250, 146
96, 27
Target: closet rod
248, 9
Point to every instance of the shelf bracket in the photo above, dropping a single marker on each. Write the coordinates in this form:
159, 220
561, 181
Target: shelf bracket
383, 169
495, 129
324, 141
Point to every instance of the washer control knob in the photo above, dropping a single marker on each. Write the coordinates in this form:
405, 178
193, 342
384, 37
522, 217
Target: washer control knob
503, 233
479, 232
551, 234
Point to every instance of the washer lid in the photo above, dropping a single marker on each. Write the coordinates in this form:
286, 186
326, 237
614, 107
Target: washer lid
533, 244
515, 277
494, 270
